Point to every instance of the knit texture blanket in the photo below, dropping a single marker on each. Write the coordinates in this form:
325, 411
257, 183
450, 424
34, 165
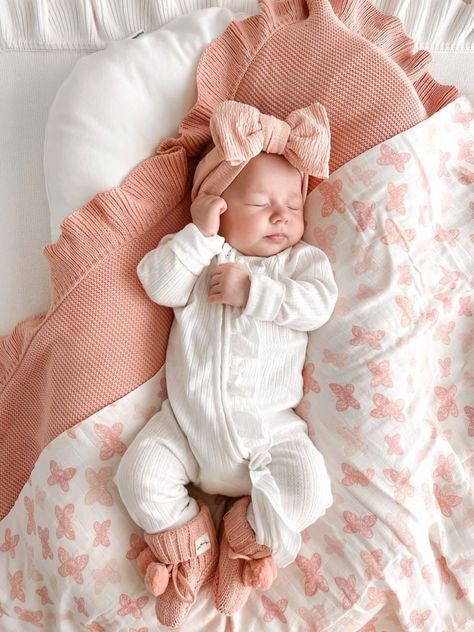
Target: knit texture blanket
102, 337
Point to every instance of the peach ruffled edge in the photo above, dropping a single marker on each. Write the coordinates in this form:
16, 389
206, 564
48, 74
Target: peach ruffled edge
388, 34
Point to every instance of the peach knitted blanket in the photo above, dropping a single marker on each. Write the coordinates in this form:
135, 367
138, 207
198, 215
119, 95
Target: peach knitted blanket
102, 337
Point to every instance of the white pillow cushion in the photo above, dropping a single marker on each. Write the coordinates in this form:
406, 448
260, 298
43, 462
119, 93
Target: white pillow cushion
116, 106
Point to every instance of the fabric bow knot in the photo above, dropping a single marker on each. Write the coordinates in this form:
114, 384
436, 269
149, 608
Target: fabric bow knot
240, 132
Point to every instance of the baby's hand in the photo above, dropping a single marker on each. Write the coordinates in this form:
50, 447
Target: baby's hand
228, 284
205, 211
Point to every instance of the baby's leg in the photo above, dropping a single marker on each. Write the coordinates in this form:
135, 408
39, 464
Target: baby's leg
153, 472
294, 492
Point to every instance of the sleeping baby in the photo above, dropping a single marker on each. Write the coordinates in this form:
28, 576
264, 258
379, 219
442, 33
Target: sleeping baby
245, 291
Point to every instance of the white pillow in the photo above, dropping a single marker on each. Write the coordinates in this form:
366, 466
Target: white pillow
118, 104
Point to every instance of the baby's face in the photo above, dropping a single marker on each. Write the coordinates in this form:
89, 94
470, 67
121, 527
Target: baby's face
264, 207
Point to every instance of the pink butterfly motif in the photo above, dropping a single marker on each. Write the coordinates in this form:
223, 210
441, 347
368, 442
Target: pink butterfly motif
16, 588
353, 439
377, 596
101, 529
427, 574
469, 379
385, 407
359, 524
448, 236
418, 618
467, 340
30, 616
371, 561
303, 410
313, 580
137, 545
72, 566
448, 405
405, 275
46, 551
400, 481
406, 565
363, 259
393, 444
396, 194
395, 235
364, 216
443, 172
445, 366
399, 525
163, 394
331, 357
60, 477
380, 372
466, 150
445, 299
463, 564
29, 506
366, 337
465, 176
344, 396
443, 332
107, 575
444, 468
132, 606
64, 517
469, 411
406, 307
390, 157
44, 596
99, 482
449, 278
314, 618
309, 383
9, 543
110, 438
361, 175
347, 586
274, 608
464, 309
324, 239
464, 118
81, 605
332, 200
353, 476
446, 502
334, 545
40, 497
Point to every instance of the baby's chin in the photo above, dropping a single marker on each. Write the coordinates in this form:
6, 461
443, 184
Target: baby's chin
264, 247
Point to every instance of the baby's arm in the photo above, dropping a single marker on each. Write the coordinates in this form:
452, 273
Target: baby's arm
304, 300
168, 273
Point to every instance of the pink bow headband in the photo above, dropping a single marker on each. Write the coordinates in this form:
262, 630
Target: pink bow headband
240, 132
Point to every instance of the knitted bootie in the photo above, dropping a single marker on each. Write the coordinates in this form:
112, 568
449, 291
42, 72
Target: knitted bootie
186, 560
243, 564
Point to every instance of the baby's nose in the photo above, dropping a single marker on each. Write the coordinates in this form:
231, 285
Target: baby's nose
280, 214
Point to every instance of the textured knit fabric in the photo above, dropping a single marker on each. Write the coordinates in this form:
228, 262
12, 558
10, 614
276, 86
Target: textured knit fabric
240, 132
233, 376
102, 337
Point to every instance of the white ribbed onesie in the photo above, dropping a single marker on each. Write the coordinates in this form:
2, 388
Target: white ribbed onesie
233, 376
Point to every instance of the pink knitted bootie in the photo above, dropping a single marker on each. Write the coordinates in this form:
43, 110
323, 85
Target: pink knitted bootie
243, 564
186, 559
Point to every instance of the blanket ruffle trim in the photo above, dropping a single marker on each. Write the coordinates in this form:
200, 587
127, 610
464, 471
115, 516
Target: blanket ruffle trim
89, 234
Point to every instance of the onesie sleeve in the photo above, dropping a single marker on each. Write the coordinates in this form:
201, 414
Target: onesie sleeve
302, 298
168, 273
